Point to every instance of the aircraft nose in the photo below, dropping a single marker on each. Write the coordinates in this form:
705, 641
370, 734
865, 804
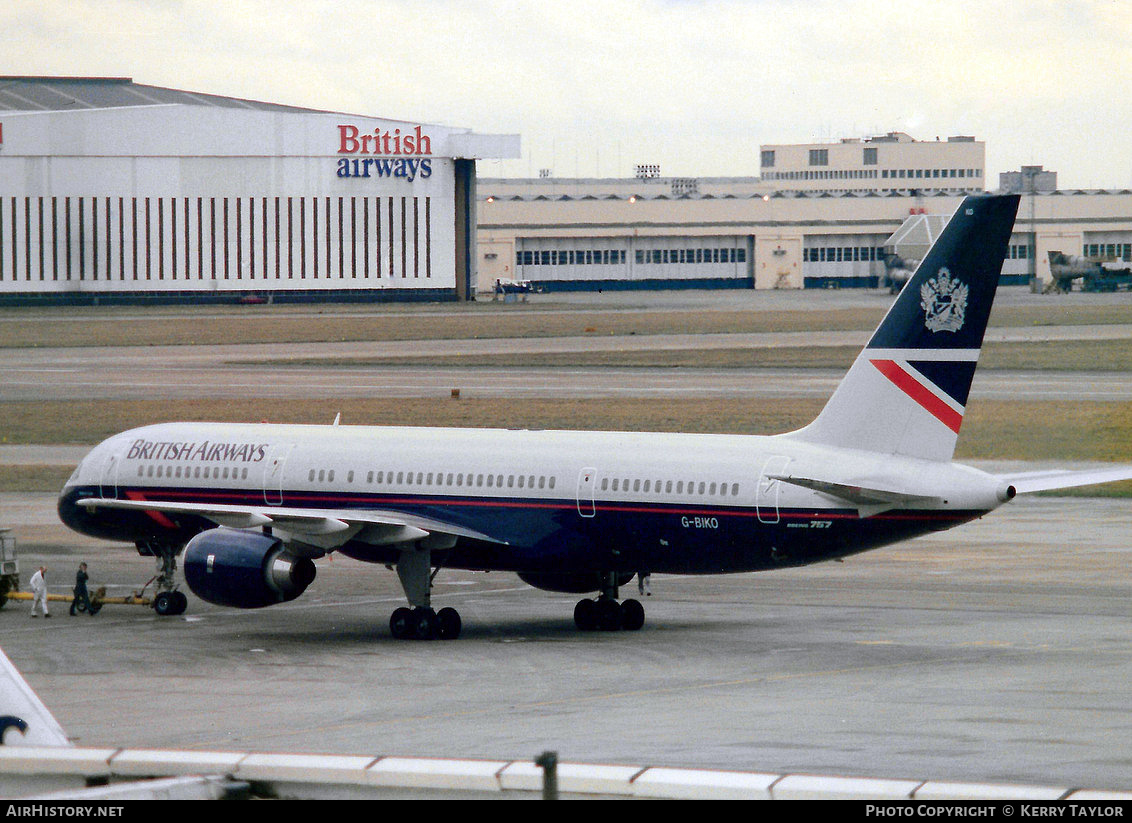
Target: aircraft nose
73, 515
73, 480
69, 512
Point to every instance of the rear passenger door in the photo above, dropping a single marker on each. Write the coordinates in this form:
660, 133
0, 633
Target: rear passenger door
585, 493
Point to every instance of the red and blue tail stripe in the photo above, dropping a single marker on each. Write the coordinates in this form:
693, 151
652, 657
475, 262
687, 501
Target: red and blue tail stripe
911, 377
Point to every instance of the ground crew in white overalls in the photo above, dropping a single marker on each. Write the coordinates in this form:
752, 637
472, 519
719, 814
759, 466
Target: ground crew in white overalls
39, 591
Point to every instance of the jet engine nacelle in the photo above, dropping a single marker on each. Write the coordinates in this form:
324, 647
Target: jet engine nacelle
231, 567
579, 583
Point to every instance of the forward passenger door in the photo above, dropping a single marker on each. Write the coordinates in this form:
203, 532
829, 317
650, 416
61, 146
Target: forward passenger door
273, 473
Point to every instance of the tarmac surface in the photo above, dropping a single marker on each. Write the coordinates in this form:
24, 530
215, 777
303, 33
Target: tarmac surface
167, 381
998, 652
255, 370
230, 371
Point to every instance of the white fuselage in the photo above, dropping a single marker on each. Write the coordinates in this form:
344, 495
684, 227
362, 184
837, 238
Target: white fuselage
681, 502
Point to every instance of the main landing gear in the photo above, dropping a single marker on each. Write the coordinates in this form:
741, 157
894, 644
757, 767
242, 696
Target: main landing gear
606, 614
423, 623
414, 568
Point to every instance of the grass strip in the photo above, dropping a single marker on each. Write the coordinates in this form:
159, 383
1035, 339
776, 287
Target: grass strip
1071, 355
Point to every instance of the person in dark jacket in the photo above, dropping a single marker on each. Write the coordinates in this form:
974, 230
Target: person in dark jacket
81, 602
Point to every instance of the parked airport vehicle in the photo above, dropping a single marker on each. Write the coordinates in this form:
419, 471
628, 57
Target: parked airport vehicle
9, 566
505, 286
1095, 274
253, 506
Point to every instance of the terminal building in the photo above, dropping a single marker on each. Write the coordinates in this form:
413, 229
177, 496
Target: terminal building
855, 213
894, 162
113, 190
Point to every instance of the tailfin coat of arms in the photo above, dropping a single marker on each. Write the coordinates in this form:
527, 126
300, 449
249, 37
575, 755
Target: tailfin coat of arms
944, 301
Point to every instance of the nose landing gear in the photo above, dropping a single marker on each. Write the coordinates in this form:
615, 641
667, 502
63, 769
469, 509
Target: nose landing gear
168, 601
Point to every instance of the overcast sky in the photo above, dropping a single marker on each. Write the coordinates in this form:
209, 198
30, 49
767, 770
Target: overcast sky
596, 86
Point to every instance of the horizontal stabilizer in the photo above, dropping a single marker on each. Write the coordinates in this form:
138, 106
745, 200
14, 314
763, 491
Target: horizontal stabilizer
1039, 481
859, 495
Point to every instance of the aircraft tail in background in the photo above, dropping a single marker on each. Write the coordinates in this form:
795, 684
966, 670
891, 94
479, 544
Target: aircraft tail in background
24, 720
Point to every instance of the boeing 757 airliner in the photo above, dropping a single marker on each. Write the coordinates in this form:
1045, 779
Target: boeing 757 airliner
251, 506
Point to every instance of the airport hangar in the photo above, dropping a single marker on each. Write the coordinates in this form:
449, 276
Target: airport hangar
116, 191
822, 215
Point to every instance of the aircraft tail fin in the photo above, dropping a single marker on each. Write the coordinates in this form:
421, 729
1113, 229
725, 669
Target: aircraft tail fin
907, 391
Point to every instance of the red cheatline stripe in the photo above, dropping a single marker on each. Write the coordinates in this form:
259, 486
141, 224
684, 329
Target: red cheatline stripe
920, 393
160, 518
366, 501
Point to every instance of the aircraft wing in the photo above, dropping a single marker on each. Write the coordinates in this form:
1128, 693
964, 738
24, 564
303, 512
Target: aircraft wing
323, 527
1026, 482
